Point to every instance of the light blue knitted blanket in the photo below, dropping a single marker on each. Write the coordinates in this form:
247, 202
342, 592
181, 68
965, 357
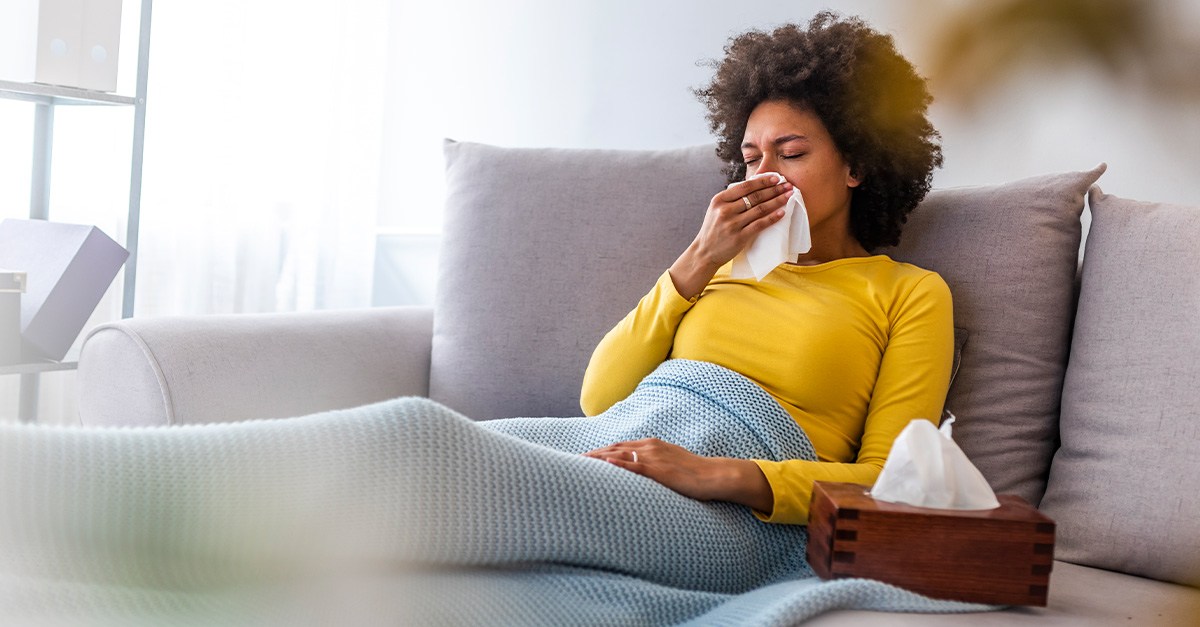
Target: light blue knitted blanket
405, 512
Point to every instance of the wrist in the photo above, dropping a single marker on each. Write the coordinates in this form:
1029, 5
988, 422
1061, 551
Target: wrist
701, 259
692, 271
739, 481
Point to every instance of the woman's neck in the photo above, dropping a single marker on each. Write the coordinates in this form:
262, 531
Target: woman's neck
830, 246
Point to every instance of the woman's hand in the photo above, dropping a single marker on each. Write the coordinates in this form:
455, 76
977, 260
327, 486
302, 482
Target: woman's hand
734, 218
695, 476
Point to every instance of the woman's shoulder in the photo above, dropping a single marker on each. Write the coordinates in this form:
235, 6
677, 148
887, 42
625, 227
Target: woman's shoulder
906, 270
900, 281
883, 267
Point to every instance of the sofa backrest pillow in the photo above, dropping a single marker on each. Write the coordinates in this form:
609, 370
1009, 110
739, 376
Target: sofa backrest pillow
1009, 253
1125, 484
543, 251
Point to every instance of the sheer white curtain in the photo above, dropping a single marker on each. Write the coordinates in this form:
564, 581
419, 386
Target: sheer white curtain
262, 156
262, 163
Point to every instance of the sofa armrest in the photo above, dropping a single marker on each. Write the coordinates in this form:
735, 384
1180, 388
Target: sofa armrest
225, 368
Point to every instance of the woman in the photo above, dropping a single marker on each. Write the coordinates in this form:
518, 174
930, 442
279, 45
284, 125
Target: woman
852, 344
471, 525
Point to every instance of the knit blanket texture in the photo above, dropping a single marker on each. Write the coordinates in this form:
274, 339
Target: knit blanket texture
406, 512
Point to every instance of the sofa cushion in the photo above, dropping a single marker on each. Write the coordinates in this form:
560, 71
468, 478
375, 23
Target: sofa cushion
1125, 484
544, 250
1079, 597
1009, 254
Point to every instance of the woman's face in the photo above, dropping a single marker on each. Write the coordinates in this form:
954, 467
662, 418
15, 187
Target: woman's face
781, 137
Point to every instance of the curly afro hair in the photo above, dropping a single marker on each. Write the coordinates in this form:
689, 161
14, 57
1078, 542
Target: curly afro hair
868, 96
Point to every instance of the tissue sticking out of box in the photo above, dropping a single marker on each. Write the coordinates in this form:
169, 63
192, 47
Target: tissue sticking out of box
927, 469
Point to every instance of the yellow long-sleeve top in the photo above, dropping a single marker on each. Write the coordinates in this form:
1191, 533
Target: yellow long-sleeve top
853, 349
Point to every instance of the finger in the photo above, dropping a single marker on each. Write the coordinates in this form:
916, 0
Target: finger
620, 449
603, 453
751, 185
620, 463
750, 203
626, 465
762, 222
735, 192
782, 190
768, 212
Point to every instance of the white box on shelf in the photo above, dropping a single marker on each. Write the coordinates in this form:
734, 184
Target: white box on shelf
68, 268
12, 285
101, 41
18, 40
61, 42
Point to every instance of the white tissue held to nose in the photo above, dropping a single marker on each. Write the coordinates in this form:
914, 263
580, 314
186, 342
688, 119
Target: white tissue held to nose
779, 243
926, 468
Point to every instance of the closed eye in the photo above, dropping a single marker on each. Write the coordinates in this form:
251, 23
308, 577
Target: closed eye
795, 156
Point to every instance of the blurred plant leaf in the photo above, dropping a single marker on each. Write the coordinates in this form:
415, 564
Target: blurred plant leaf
983, 42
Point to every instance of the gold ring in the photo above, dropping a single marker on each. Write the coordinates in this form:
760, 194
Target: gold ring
635, 457
746, 199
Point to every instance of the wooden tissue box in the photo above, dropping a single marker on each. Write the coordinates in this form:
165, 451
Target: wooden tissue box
1001, 556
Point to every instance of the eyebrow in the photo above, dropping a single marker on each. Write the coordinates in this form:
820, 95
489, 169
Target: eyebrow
781, 140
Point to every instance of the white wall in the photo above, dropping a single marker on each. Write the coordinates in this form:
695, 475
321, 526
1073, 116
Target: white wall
618, 73
589, 73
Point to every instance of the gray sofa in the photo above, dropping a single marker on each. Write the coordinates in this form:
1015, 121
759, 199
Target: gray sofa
1078, 385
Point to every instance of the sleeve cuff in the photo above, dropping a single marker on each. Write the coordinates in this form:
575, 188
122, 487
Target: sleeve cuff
791, 498
667, 287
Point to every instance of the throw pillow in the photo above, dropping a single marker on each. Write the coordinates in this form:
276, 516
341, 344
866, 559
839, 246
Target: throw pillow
1124, 484
1009, 254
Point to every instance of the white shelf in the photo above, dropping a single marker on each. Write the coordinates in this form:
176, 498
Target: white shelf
37, 367
60, 95
47, 97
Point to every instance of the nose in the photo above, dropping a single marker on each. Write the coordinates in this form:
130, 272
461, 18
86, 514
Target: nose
769, 162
